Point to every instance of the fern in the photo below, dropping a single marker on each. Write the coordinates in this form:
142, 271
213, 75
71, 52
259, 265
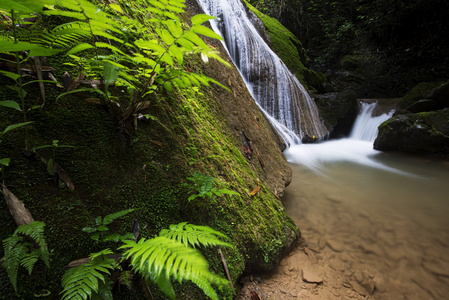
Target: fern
84, 281
194, 235
21, 253
161, 258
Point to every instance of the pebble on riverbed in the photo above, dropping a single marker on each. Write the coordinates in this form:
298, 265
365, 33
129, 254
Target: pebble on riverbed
310, 276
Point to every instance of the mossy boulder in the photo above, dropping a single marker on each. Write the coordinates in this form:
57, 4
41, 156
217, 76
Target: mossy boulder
419, 92
425, 133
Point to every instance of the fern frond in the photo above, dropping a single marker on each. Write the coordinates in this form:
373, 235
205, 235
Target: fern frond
161, 258
83, 281
29, 260
35, 230
195, 235
14, 252
111, 217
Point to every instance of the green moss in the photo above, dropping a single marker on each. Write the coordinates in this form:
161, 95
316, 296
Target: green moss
420, 91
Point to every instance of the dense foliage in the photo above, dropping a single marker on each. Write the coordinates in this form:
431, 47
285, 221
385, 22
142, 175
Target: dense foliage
331, 29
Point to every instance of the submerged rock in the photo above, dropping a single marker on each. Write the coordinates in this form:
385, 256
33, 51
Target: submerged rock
421, 133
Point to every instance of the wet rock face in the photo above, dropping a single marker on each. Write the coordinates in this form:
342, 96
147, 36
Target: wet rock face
421, 133
423, 128
339, 111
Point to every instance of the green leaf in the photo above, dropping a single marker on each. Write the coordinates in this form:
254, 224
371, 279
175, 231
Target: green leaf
179, 82
64, 13
167, 59
168, 86
174, 27
115, 7
191, 36
102, 228
161, 258
201, 18
89, 229
150, 45
20, 91
157, 4
51, 167
171, 15
5, 161
111, 73
98, 220
8, 5
13, 76
35, 50
81, 90
108, 46
14, 126
200, 29
111, 217
10, 104
188, 45
111, 238
174, 50
79, 48
186, 81
166, 36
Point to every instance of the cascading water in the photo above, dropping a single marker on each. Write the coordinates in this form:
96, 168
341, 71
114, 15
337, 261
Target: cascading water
358, 148
365, 126
276, 90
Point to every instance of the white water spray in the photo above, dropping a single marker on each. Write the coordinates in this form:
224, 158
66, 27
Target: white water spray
365, 126
276, 90
358, 148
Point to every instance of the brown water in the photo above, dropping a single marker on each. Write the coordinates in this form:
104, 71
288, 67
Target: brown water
365, 224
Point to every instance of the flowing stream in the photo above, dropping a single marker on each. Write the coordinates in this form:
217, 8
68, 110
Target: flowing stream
276, 90
378, 215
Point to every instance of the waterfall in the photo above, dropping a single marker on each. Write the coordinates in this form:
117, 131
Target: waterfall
276, 90
357, 149
365, 126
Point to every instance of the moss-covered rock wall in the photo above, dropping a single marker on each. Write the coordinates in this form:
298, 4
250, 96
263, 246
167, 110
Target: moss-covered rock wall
196, 130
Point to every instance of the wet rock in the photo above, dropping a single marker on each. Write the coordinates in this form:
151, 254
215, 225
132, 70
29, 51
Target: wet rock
322, 243
424, 133
359, 276
310, 276
335, 246
369, 286
441, 94
337, 265
339, 111
310, 255
358, 288
437, 267
423, 105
